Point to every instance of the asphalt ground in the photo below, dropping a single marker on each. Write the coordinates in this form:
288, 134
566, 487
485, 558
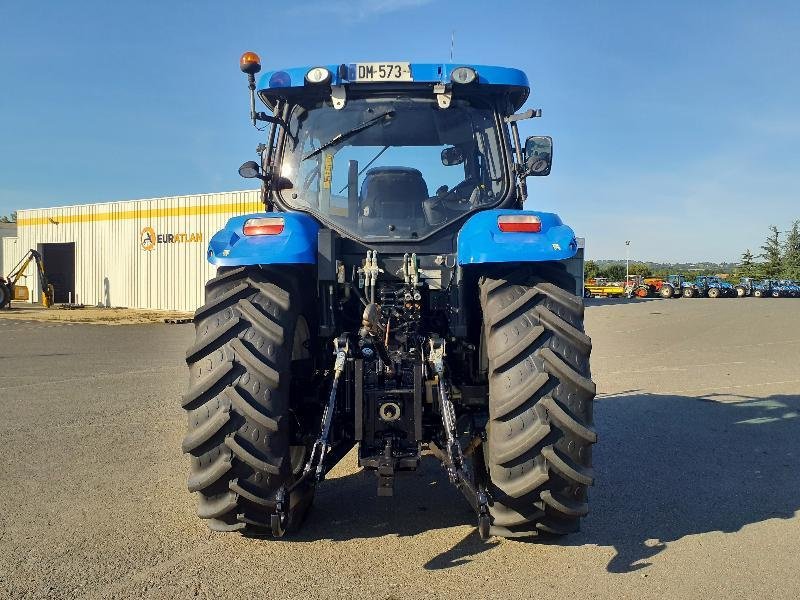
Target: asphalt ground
697, 494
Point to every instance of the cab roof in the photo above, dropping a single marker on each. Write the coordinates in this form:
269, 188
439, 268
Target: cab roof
285, 82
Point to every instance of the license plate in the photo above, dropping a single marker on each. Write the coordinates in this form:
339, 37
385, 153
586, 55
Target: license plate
370, 72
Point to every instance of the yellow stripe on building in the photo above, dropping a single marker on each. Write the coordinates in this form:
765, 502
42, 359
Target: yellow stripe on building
151, 213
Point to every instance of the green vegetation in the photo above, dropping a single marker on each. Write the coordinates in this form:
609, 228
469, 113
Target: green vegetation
772, 254
779, 259
12, 218
791, 253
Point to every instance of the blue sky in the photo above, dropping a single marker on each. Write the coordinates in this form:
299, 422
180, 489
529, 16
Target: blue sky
675, 124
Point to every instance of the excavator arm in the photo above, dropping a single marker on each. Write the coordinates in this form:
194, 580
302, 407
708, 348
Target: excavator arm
9, 283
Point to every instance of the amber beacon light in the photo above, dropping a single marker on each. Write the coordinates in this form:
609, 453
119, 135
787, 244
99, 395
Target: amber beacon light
250, 63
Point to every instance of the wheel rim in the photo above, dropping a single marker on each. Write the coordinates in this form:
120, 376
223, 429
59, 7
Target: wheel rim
641, 293
301, 336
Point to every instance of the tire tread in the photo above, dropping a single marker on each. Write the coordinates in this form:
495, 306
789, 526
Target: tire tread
540, 401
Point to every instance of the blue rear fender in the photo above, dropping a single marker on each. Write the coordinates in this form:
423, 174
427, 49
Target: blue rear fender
296, 244
481, 241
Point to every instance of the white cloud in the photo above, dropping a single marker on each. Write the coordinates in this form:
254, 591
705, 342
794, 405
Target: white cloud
357, 10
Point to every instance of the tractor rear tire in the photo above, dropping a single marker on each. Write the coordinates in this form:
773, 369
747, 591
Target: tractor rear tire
713, 292
740, 292
688, 293
539, 435
247, 335
666, 291
758, 293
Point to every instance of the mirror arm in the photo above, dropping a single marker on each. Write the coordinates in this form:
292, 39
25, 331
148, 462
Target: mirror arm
262, 116
520, 165
531, 113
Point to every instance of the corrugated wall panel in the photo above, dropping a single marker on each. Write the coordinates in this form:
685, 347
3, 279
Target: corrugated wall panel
111, 264
10, 256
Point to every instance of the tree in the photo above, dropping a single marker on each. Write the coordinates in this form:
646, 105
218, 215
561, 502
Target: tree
10, 219
747, 268
614, 272
790, 262
590, 269
772, 254
640, 269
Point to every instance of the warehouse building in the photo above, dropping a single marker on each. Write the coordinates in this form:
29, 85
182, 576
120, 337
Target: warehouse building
138, 254
148, 254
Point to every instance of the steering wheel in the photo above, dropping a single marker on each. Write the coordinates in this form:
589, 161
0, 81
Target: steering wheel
455, 199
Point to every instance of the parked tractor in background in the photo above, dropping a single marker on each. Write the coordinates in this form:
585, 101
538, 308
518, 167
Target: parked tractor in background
646, 287
394, 297
761, 288
745, 287
672, 286
782, 288
788, 288
708, 286
637, 287
749, 286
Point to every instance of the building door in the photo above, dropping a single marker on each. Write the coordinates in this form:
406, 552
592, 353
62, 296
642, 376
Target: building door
59, 265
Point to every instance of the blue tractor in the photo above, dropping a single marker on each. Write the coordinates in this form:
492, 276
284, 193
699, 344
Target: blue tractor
763, 289
745, 287
394, 296
749, 286
787, 288
707, 285
672, 286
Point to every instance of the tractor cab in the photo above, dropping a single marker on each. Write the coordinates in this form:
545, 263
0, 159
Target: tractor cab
388, 152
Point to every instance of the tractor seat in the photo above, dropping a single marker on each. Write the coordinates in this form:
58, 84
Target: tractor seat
392, 196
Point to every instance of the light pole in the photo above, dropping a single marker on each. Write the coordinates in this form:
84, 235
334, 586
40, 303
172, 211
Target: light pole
627, 261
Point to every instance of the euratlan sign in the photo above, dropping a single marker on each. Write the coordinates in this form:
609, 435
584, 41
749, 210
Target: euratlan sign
149, 239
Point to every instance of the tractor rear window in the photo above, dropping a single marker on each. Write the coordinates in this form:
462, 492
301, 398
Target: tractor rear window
392, 167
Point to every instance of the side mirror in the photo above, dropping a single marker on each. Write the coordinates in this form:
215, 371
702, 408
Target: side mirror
250, 169
452, 156
538, 155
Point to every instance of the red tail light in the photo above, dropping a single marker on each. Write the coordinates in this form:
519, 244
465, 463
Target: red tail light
519, 223
264, 226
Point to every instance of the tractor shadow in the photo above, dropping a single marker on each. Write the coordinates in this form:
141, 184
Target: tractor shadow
348, 507
672, 466
666, 467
